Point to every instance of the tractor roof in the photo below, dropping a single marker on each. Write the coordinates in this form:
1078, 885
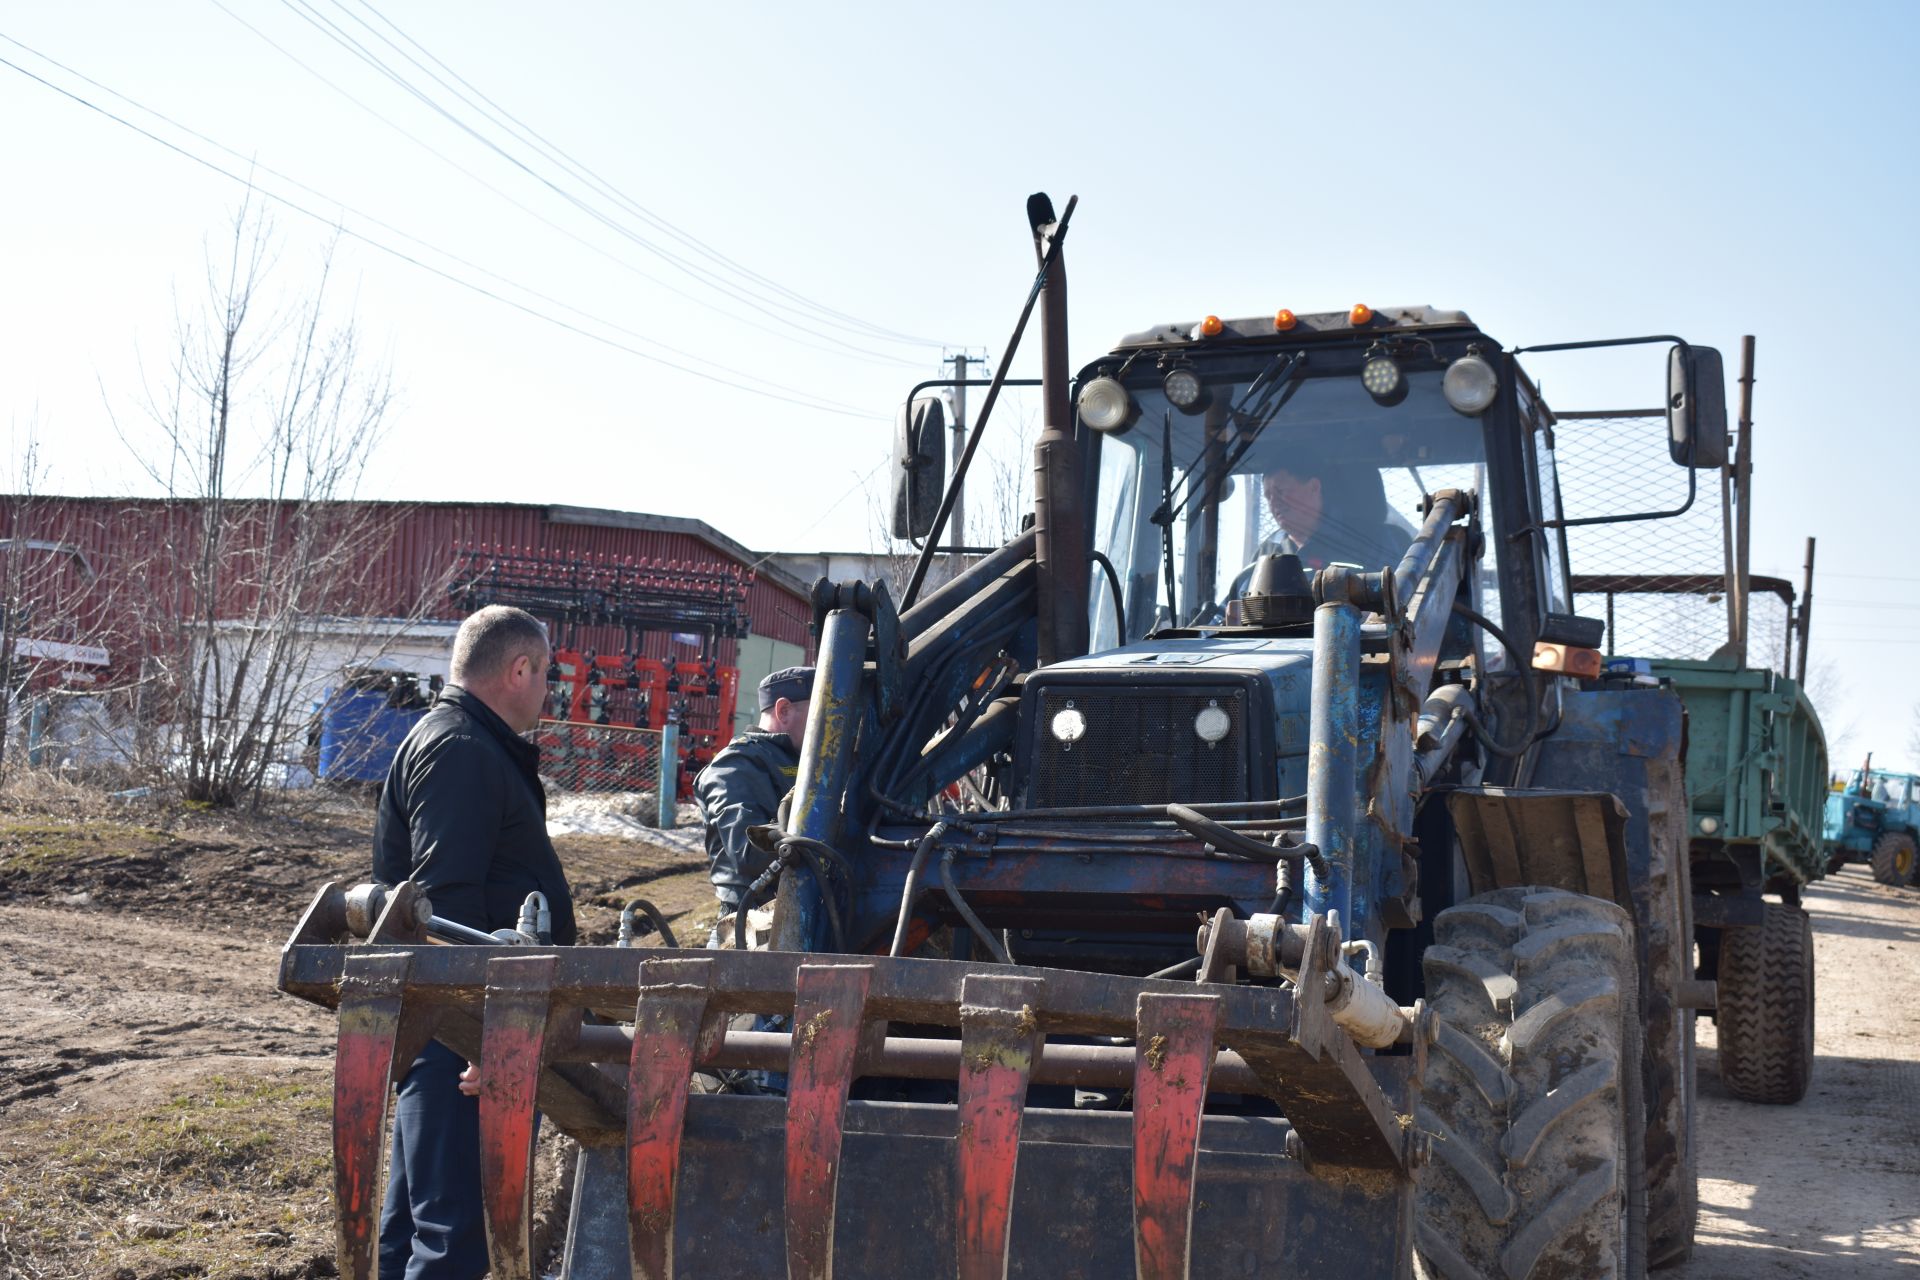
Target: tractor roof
1307, 325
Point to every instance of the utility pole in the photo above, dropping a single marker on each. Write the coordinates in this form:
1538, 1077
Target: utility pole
1743, 494
959, 518
1806, 618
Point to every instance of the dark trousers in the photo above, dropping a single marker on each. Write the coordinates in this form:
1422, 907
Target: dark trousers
432, 1226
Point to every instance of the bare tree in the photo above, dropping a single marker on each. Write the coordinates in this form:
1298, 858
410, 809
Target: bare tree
259, 435
52, 624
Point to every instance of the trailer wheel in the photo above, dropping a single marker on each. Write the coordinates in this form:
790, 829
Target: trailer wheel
1530, 1083
1765, 1013
1664, 903
1893, 858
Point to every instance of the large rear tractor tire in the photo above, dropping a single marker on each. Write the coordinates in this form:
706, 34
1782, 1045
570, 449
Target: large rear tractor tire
1664, 904
1765, 1013
1893, 858
1528, 1092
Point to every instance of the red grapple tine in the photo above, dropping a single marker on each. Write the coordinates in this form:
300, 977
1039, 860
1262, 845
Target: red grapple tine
997, 1041
828, 1002
667, 1023
1171, 1064
370, 1012
513, 1038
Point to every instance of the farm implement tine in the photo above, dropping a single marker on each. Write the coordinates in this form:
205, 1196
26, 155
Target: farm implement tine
828, 1005
371, 1005
998, 1037
513, 1043
667, 1021
1172, 1060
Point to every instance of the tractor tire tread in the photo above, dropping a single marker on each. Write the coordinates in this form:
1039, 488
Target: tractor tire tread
1766, 1005
1887, 858
1535, 1160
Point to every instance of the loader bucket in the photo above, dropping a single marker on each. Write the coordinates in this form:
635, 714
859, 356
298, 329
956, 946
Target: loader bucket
603, 1042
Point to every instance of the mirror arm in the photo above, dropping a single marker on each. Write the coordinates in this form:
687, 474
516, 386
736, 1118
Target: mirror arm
1047, 260
931, 384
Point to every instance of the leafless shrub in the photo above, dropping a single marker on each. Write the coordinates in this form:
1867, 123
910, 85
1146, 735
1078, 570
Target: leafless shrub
259, 435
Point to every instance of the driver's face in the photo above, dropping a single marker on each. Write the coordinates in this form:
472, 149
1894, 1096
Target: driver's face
1295, 503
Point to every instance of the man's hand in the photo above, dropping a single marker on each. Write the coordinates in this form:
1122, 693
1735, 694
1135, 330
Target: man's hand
470, 1081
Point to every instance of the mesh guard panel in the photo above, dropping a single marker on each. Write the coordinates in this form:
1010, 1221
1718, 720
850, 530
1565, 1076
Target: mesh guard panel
1140, 747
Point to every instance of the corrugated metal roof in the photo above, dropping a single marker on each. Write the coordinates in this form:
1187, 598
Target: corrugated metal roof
137, 546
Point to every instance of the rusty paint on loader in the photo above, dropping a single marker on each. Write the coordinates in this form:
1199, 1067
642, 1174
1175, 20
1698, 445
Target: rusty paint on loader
998, 1040
513, 1039
370, 1015
1171, 1065
668, 1018
829, 1001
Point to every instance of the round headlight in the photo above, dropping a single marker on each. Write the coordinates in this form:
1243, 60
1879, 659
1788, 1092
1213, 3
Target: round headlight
1213, 723
1069, 725
1183, 389
1470, 385
1382, 378
1105, 404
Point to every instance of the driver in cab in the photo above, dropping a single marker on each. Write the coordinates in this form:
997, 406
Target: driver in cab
1331, 513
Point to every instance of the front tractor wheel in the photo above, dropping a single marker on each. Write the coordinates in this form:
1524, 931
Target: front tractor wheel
1536, 1171
1893, 858
1765, 1008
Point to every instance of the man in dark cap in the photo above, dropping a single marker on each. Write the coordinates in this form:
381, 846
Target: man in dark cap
741, 787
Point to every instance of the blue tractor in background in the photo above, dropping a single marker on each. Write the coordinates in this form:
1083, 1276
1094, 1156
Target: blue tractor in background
1875, 819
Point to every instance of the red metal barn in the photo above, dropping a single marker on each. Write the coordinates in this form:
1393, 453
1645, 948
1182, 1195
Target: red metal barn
138, 559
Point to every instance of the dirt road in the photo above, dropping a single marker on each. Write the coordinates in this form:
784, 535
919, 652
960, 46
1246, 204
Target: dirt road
1831, 1187
165, 1109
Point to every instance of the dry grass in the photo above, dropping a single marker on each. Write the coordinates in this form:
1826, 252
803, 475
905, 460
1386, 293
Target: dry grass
225, 1179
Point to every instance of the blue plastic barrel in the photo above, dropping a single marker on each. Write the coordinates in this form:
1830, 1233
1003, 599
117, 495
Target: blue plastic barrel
359, 734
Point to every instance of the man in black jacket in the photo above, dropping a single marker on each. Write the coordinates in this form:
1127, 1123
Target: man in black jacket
741, 787
463, 815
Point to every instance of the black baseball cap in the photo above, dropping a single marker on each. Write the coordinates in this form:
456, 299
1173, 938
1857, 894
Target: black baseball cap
795, 684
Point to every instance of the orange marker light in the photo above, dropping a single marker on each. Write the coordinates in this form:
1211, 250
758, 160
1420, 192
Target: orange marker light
1284, 320
1211, 327
1361, 313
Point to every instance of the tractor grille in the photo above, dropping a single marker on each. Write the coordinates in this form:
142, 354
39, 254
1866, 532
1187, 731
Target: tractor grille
1139, 747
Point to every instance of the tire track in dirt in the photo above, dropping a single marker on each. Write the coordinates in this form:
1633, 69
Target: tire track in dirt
1830, 1187
97, 1000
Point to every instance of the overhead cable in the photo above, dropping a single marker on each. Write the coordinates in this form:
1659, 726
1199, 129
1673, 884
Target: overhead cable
815, 403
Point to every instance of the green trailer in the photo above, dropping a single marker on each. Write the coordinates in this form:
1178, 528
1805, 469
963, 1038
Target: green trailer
1756, 769
1756, 779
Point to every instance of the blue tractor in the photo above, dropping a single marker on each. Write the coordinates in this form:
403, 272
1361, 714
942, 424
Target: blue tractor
1875, 818
1248, 869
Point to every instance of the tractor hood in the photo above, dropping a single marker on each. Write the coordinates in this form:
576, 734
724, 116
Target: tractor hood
1187, 720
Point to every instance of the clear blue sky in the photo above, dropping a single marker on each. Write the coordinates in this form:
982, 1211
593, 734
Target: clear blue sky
1708, 170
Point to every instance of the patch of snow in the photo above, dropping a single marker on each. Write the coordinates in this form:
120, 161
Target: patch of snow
629, 814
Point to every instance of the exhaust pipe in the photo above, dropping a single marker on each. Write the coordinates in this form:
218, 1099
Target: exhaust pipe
1059, 498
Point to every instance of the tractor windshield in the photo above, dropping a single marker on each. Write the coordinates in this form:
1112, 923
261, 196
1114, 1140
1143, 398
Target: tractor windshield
1317, 466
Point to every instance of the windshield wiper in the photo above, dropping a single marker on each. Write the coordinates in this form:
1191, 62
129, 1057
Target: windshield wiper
1259, 405
1163, 515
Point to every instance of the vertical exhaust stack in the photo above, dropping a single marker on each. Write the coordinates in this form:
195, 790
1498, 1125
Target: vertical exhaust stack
1059, 498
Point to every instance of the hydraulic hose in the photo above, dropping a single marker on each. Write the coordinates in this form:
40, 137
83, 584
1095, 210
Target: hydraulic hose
1225, 838
628, 931
980, 930
912, 887
1520, 666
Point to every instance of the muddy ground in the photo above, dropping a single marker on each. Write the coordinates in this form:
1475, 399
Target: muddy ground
163, 1109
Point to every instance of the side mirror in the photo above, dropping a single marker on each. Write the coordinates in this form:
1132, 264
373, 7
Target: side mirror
1696, 407
919, 466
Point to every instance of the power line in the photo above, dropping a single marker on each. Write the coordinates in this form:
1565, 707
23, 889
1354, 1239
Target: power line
785, 333
332, 31
815, 404
553, 150
254, 164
